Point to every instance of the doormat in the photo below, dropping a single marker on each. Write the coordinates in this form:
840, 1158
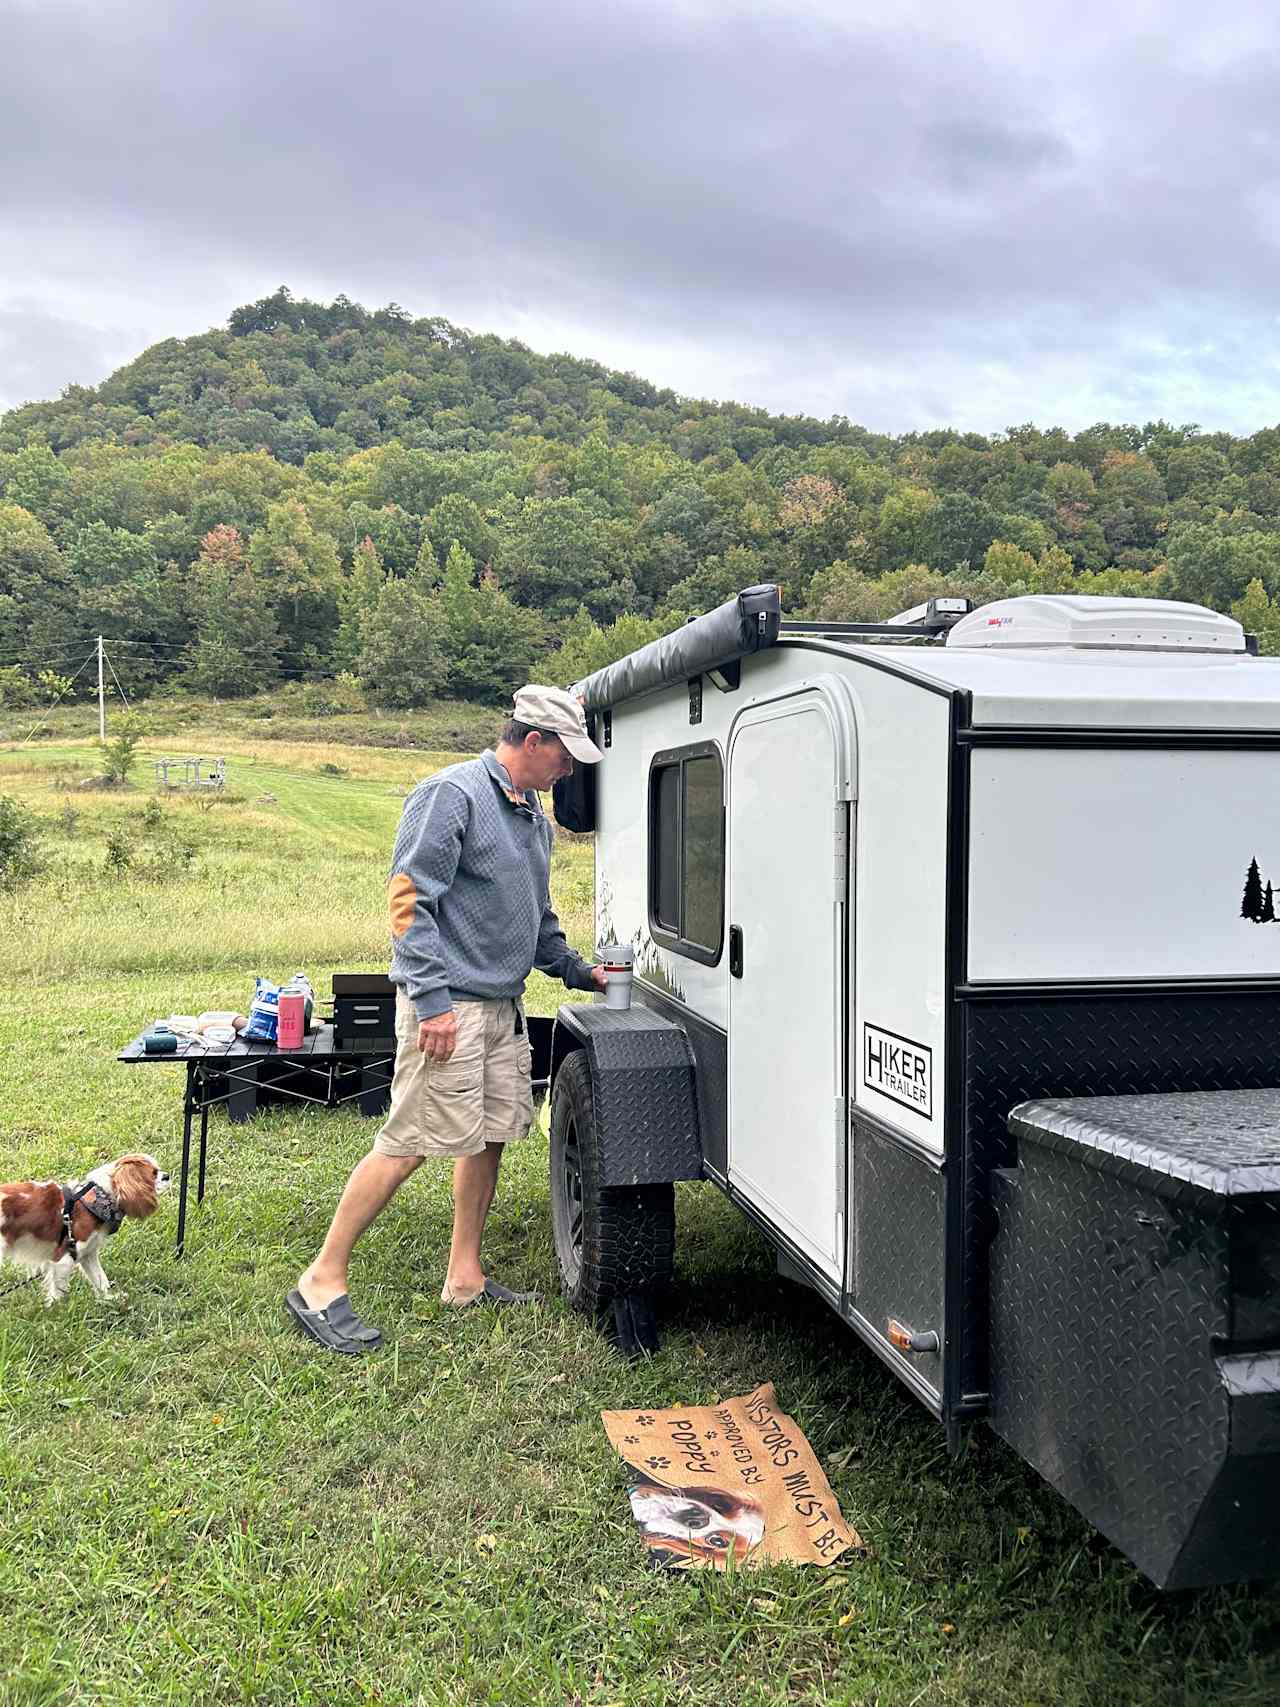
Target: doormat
728, 1485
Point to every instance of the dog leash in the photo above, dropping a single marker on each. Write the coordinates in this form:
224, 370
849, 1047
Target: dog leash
15, 1284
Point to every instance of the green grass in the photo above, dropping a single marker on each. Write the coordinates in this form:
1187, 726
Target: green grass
197, 1507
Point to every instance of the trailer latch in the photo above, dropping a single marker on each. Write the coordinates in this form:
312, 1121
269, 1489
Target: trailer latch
902, 1338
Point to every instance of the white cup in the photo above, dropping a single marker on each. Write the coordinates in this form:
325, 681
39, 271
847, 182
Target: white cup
618, 961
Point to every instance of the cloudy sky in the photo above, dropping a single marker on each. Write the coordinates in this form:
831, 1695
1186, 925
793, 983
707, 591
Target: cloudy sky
916, 214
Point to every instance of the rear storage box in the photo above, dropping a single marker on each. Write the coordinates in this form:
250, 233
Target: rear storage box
1135, 1326
364, 1011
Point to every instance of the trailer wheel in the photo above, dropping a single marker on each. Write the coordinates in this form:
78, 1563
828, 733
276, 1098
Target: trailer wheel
609, 1239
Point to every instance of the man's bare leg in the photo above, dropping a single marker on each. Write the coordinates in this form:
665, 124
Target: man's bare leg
474, 1181
373, 1183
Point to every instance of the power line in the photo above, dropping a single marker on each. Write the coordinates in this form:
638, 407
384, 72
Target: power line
115, 678
66, 690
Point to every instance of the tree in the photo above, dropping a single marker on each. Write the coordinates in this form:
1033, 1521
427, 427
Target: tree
1211, 567
19, 846
34, 575
402, 661
1256, 614
357, 597
902, 533
489, 642
237, 645
1251, 905
392, 530
958, 531
458, 518
555, 555
117, 753
301, 567
1268, 914
586, 646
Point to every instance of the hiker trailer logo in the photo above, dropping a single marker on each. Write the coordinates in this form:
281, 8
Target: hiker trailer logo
898, 1068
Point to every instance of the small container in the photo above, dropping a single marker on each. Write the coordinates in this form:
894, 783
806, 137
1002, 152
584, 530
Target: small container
618, 961
291, 1024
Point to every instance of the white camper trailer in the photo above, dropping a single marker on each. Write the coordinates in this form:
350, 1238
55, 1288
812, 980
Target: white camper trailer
957, 967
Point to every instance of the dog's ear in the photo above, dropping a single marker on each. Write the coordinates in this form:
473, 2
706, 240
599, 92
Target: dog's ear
133, 1179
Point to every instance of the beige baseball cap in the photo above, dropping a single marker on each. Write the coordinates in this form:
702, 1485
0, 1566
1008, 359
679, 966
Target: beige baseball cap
556, 712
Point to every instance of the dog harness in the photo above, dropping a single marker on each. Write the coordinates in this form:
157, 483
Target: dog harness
100, 1204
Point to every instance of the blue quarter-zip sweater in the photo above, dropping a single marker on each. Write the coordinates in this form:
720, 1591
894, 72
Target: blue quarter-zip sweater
470, 893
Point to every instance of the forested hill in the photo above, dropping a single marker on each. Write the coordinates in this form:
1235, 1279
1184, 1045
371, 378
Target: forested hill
404, 509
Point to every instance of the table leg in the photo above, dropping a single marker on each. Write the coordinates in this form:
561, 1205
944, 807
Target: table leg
242, 1104
204, 1148
187, 1106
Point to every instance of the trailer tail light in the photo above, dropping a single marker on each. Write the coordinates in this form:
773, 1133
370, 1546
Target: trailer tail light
902, 1338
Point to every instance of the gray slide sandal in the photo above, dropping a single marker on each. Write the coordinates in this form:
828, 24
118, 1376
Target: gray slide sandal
336, 1327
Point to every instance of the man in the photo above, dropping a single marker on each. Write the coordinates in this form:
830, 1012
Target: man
471, 916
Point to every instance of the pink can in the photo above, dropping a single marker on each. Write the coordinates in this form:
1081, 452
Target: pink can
291, 1021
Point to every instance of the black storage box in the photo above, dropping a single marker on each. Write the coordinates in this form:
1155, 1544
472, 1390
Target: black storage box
364, 1011
1135, 1321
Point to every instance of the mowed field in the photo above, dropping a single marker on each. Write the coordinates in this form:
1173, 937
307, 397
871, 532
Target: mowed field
196, 1506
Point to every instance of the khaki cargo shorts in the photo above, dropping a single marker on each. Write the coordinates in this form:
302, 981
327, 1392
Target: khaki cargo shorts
480, 1095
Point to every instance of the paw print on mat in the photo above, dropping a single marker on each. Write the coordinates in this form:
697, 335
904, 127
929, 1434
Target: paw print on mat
658, 1463
644, 1422
631, 1440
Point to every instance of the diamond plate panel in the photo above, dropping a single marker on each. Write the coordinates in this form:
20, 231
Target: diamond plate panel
897, 1245
1057, 1046
644, 1087
1114, 1307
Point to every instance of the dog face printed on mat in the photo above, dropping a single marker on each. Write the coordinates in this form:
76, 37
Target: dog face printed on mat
689, 1525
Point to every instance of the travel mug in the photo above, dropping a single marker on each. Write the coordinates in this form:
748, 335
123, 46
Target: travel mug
618, 960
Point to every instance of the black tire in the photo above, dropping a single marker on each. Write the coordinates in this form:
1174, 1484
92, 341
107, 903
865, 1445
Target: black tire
609, 1239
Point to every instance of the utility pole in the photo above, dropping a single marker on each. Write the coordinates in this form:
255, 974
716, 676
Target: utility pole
102, 698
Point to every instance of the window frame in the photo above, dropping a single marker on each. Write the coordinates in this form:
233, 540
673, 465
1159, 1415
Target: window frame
668, 758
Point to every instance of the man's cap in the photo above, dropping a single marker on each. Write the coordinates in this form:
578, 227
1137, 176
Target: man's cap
556, 712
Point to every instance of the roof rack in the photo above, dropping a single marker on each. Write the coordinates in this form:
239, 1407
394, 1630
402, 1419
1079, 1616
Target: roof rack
929, 621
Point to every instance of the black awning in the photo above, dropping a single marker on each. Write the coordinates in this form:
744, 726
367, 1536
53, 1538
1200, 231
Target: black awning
747, 623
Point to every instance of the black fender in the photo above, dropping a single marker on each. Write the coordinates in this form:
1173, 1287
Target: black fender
644, 1085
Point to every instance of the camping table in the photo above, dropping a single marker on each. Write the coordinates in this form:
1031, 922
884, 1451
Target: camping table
239, 1074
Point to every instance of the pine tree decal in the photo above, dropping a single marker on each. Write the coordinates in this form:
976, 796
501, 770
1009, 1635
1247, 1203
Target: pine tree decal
1251, 906
1268, 914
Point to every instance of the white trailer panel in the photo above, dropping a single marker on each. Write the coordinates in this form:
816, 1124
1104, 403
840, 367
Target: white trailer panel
1121, 864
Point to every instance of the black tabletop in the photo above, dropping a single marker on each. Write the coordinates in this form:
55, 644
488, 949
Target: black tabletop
318, 1042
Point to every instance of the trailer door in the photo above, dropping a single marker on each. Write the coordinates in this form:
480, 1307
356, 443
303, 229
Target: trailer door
789, 787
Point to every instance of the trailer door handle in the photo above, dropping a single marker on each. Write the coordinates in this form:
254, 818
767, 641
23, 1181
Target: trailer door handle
735, 950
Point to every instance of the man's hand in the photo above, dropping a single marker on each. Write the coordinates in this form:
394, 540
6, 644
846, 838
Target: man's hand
597, 977
438, 1036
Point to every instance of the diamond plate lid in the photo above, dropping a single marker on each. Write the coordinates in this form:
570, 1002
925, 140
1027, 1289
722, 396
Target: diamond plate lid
1223, 1142
1078, 621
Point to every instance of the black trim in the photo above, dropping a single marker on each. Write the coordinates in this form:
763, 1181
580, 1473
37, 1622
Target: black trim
1084, 990
947, 690
1147, 740
956, 1163
668, 757
885, 1129
831, 1291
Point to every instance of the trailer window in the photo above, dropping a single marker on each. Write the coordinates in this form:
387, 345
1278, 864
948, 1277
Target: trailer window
686, 852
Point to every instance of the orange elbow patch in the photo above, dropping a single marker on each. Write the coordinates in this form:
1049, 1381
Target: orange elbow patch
402, 899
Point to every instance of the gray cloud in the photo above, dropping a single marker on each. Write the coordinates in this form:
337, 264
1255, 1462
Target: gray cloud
1009, 213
